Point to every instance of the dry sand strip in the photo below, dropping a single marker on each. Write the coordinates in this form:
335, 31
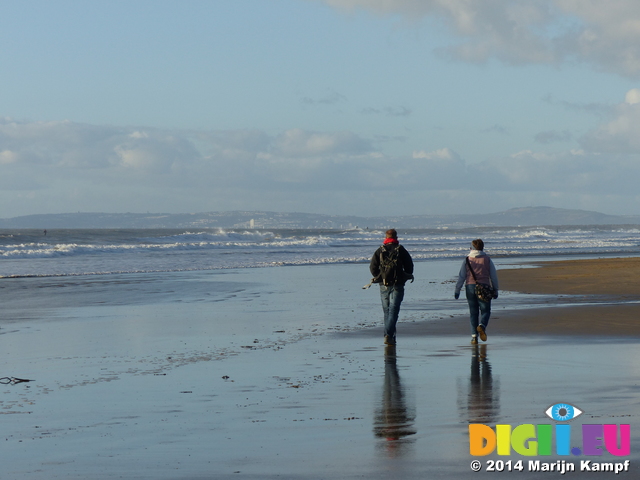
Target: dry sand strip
614, 280
602, 276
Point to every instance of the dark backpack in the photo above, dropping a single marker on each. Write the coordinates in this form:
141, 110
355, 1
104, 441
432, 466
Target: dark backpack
390, 268
389, 258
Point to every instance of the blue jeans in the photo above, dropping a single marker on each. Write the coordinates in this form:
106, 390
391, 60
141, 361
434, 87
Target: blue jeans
479, 311
391, 299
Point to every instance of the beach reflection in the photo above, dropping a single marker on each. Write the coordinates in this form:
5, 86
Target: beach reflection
394, 419
482, 393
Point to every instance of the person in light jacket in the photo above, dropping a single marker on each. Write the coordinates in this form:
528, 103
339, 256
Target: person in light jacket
485, 272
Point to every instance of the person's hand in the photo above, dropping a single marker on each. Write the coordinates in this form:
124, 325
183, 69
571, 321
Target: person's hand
495, 294
456, 295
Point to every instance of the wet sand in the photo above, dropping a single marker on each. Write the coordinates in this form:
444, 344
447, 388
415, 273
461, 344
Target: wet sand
139, 392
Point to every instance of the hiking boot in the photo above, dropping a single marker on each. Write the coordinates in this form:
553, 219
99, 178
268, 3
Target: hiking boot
481, 332
474, 340
389, 340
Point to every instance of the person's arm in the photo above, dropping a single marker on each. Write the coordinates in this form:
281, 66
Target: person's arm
374, 265
493, 274
462, 276
407, 261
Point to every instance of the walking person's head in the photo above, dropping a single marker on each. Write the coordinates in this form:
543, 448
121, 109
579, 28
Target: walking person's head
391, 233
477, 244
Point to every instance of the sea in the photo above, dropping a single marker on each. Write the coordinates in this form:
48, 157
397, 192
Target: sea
32, 253
302, 282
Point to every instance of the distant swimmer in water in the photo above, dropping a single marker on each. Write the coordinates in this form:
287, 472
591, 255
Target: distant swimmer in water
45, 233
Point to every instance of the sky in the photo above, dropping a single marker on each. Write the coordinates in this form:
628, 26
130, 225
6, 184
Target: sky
340, 107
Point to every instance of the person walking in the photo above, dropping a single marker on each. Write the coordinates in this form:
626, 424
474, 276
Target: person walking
391, 267
476, 268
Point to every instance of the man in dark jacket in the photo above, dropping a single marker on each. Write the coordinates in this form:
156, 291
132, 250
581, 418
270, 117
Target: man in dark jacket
391, 266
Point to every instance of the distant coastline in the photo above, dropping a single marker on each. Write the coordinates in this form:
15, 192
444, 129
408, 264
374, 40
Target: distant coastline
526, 216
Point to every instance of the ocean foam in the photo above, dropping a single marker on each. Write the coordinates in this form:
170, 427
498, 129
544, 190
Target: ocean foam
109, 251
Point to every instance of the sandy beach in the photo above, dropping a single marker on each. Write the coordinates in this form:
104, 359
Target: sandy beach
610, 285
124, 388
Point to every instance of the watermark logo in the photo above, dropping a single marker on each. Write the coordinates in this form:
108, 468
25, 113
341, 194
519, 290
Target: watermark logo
533, 440
538, 440
562, 412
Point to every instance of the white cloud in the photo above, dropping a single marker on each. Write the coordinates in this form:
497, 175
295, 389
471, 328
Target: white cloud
137, 134
64, 166
135, 158
301, 143
621, 134
632, 96
66, 144
605, 34
7, 156
442, 154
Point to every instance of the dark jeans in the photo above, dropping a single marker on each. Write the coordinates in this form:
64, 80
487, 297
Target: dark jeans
479, 311
391, 299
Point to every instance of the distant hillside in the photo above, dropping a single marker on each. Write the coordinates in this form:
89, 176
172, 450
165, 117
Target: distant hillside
528, 216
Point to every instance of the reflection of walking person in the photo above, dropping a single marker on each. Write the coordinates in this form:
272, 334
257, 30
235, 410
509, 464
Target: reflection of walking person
477, 267
391, 266
394, 420
483, 396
